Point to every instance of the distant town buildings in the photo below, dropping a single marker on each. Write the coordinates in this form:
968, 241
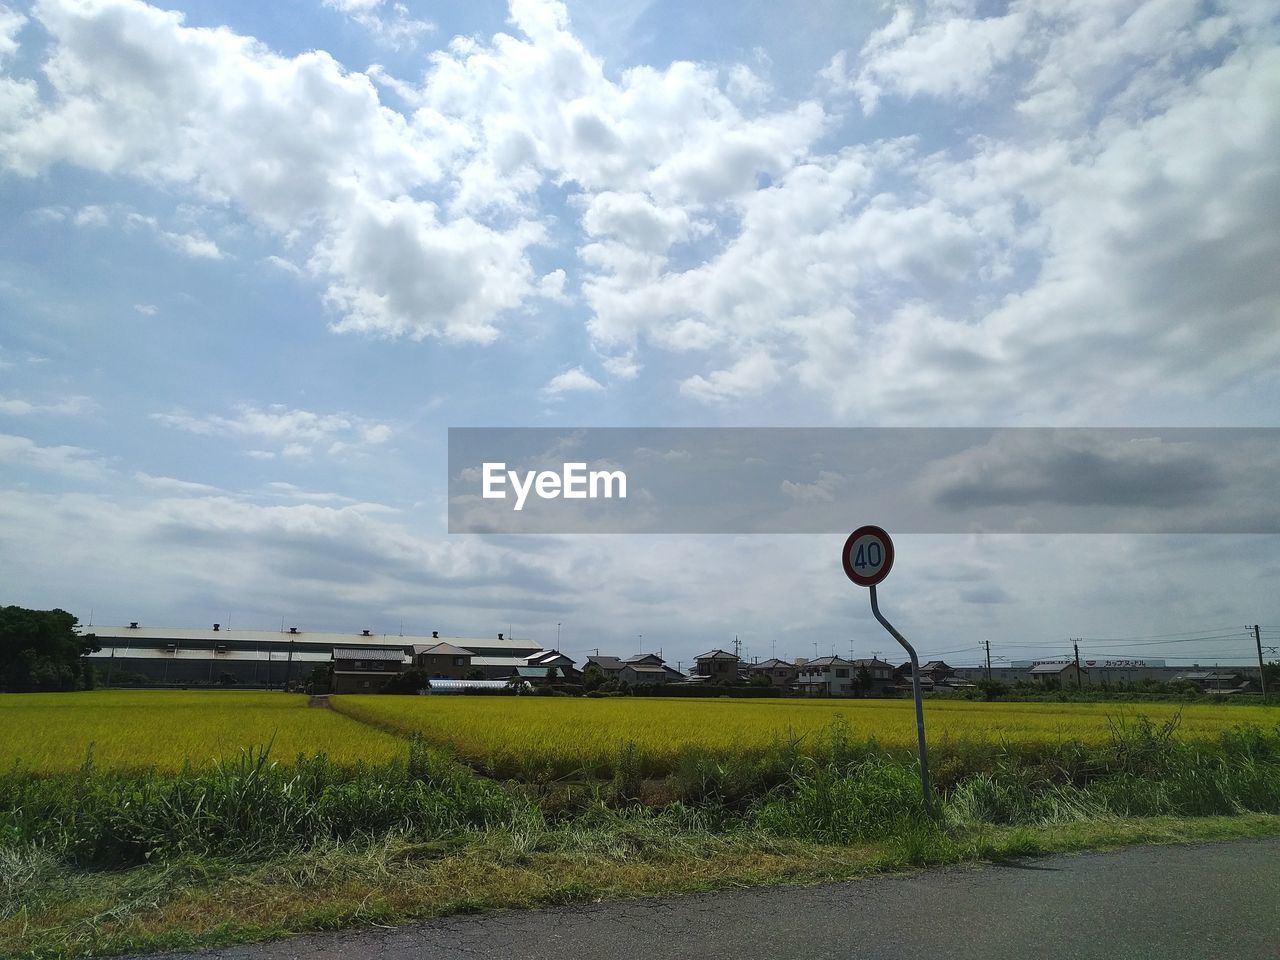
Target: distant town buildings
366, 662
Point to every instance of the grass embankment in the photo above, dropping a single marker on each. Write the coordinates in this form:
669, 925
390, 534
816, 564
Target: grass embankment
101, 861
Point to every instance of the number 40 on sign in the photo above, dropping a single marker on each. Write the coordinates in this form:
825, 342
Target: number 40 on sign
868, 556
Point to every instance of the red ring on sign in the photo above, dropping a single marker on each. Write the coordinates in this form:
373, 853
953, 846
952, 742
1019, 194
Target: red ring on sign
880, 534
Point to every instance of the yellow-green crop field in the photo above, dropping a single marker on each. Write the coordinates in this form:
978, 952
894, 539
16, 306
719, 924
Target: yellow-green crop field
162, 729
511, 735
52, 733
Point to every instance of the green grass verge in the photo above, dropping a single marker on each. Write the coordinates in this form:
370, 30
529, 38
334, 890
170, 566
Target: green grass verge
201, 904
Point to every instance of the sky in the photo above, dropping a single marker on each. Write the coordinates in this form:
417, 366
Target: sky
256, 259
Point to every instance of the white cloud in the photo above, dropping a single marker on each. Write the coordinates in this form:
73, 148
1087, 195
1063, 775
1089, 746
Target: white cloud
146, 309
635, 221
751, 375
396, 30
91, 216
551, 287
11, 23
407, 273
72, 406
288, 266
576, 380
821, 490
191, 245
74, 463
947, 56
1120, 149
172, 485
295, 433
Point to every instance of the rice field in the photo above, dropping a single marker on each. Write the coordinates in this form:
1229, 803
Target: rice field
525, 736
538, 736
163, 729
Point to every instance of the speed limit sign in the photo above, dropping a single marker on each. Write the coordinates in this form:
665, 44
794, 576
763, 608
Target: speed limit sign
868, 556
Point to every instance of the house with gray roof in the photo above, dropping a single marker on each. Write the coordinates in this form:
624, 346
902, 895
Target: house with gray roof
442, 660
717, 665
366, 669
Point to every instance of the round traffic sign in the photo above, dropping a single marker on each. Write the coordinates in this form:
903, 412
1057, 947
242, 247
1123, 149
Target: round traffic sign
868, 556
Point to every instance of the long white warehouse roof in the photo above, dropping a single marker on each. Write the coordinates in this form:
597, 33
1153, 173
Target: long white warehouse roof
122, 635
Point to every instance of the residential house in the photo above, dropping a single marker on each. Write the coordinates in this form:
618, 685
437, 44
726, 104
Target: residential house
717, 665
937, 672
1214, 679
548, 665
646, 669
779, 673
826, 677
1058, 675
442, 660
878, 672
611, 667
366, 669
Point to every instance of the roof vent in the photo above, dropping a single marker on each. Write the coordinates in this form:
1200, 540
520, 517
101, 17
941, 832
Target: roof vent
217, 626
293, 629
133, 624
365, 633
435, 634
499, 636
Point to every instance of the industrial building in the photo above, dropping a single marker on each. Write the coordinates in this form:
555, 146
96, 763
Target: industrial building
1113, 672
272, 658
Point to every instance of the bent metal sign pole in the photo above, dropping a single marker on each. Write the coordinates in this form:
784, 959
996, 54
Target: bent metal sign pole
867, 559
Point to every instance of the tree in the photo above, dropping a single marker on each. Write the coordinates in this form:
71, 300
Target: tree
593, 678
411, 681
1271, 671
40, 650
864, 680
992, 689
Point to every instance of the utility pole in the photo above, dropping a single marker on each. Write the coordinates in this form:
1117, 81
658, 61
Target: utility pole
1262, 667
988, 642
737, 647
1077, 649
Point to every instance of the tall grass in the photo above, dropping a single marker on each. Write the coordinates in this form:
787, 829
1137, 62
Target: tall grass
252, 806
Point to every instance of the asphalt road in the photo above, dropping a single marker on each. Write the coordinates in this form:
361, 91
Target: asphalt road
1214, 900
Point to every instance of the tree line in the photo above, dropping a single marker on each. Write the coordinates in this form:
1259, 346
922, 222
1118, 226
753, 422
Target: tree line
41, 650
